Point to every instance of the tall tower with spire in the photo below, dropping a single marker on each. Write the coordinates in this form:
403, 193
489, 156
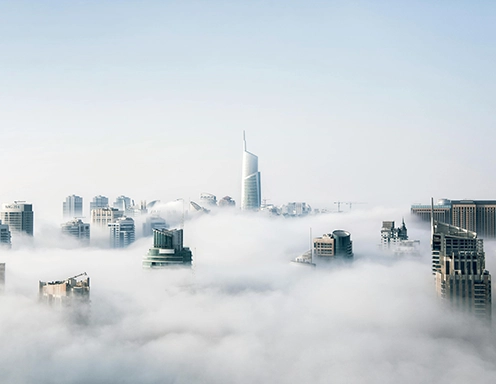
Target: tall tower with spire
251, 195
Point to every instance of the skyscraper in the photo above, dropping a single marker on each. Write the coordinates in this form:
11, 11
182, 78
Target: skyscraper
101, 217
167, 250
122, 232
99, 202
73, 206
251, 196
4, 235
458, 262
19, 216
77, 229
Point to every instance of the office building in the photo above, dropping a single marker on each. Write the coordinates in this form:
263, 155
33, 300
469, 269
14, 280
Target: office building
73, 206
4, 235
251, 195
337, 243
153, 222
207, 199
474, 215
167, 250
65, 293
391, 235
227, 201
122, 232
99, 202
101, 217
458, 263
19, 216
123, 203
295, 209
77, 229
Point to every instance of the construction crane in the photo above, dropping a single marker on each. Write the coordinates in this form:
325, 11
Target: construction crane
75, 277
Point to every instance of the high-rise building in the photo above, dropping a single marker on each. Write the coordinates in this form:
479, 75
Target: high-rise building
19, 216
391, 235
122, 232
4, 235
296, 209
99, 202
251, 195
227, 201
77, 229
73, 206
123, 203
207, 199
101, 217
458, 262
167, 250
474, 215
337, 243
153, 222
68, 292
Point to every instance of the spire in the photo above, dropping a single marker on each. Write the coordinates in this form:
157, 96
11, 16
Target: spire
244, 141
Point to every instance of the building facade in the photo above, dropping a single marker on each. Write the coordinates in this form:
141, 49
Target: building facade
337, 243
65, 293
5, 237
99, 202
19, 216
153, 222
207, 199
101, 217
72, 207
474, 215
251, 193
458, 263
167, 250
227, 201
391, 235
122, 232
77, 229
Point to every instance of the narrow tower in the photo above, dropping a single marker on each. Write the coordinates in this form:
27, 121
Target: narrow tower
251, 195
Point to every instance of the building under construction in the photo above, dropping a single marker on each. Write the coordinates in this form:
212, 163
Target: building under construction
68, 292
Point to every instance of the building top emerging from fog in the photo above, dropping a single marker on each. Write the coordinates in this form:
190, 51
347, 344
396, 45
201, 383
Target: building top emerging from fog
458, 262
73, 206
337, 243
65, 292
5, 237
19, 216
251, 194
474, 215
167, 250
77, 229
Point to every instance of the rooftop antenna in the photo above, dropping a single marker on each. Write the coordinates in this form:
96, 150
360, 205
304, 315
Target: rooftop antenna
244, 140
432, 218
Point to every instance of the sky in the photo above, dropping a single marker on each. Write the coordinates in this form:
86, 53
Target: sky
385, 103
379, 102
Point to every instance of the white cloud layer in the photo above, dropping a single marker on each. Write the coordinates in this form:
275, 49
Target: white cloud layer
244, 314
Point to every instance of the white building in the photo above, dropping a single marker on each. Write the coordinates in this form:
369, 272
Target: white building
103, 216
19, 216
77, 229
122, 232
73, 206
251, 195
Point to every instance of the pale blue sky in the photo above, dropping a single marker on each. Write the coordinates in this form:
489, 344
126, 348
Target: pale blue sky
150, 98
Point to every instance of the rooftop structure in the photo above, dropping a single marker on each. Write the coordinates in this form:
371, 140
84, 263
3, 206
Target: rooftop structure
208, 199
391, 236
167, 250
227, 201
251, 195
65, 292
19, 216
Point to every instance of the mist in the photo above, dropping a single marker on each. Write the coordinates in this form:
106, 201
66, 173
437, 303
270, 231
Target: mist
243, 313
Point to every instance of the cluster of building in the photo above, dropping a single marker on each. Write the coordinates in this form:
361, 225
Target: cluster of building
395, 239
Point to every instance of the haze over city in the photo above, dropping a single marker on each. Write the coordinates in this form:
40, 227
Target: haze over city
383, 104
